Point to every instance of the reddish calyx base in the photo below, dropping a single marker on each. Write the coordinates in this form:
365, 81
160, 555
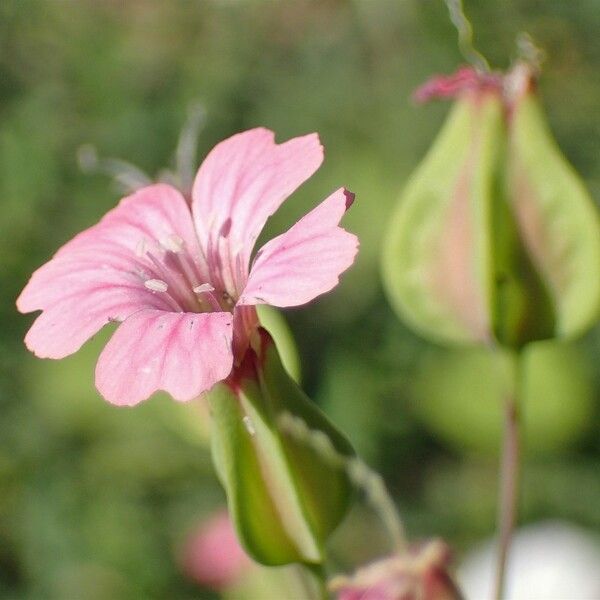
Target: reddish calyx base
511, 86
441, 87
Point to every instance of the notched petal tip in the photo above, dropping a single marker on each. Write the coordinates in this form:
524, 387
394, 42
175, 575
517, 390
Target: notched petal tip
39, 350
268, 134
350, 197
305, 261
57, 333
333, 208
21, 302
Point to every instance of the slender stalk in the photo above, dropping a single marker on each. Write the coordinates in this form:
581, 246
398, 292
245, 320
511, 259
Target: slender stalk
361, 475
509, 478
314, 581
465, 35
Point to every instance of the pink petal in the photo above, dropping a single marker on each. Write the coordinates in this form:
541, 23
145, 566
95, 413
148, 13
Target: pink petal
183, 354
81, 309
95, 278
306, 260
153, 213
243, 181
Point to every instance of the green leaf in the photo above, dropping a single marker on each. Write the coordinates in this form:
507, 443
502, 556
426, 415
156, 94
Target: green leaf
556, 218
284, 496
437, 262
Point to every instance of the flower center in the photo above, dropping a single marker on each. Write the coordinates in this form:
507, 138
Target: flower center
167, 267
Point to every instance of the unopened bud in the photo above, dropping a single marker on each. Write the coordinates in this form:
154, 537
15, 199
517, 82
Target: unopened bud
285, 496
495, 239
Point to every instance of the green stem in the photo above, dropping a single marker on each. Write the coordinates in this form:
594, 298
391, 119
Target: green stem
314, 581
380, 500
509, 478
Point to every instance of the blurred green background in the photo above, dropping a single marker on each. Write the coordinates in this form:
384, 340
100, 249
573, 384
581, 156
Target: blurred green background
95, 501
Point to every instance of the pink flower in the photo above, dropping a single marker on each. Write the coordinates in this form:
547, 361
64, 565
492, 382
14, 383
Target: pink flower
181, 279
213, 556
421, 574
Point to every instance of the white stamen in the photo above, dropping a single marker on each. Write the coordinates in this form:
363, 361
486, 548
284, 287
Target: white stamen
210, 220
204, 287
249, 425
237, 249
156, 285
141, 247
173, 243
143, 275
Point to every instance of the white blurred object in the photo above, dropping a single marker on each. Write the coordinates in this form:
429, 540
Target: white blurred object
552, 560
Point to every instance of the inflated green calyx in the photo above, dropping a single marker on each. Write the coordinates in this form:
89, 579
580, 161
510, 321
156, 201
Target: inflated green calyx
285, 497
495, 239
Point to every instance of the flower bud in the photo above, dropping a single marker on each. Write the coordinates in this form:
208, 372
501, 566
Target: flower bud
285, 497
556, 219
495, 238
421, 574
438, 252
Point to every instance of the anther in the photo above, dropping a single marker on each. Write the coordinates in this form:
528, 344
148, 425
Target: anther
205, 287
156, 285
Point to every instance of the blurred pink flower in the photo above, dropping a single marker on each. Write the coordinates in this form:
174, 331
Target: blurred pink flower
212, 556
180, 278
421, 574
